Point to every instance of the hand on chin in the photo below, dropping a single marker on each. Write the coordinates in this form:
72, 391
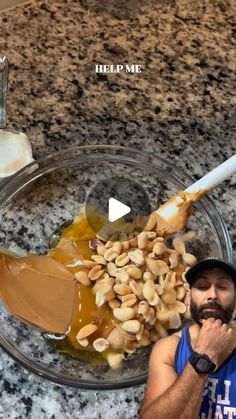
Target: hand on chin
203, 319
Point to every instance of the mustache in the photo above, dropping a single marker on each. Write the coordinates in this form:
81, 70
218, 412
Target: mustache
212, 304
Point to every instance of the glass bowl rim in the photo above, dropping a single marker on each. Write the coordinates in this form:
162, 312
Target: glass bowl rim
34, 170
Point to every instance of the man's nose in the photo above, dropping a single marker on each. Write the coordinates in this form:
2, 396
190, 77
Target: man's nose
212, 293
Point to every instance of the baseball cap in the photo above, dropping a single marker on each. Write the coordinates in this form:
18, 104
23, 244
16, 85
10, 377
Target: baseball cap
211, 263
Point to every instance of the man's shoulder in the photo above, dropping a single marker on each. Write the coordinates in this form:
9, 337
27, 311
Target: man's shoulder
166, 346
170, 340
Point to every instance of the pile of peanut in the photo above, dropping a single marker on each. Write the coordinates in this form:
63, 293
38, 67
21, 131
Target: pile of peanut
143, 282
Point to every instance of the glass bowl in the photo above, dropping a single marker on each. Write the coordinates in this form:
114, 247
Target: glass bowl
50, 192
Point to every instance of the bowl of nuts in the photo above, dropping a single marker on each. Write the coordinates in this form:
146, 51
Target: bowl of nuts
128, 276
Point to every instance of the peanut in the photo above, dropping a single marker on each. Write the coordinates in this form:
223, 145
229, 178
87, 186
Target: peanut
104, 285
134, 271
109, 244
110, 254
142, 240
83, 342
128, 300
150, 316
151, 224
149, 290
100, 298
137, 257
114, 303
151, 235
148, 276
100, 344
95, 273
114, 360
180, 307
117, 247
154, 300
112, 269
140, 332
170, 279
157, 267
101, 249
121, 289
180, 293
82, 278
169, 296
133, 242
158, 240
99, 259
122, 276
131, 326
189, 259
86, 331
109, 295
122, 259
143, 307
115, 339
136, 288
179, 246
124, 313
125, 245
89, 263
173, 259
159, 248
149, 246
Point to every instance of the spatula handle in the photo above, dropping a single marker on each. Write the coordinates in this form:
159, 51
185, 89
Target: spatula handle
215, 177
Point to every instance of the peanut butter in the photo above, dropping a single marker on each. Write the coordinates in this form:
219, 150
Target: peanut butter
172, 217
39, 290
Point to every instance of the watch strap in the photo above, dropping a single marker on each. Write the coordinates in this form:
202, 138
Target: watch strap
195, 357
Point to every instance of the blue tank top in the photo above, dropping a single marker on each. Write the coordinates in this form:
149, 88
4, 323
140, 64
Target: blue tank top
219, 396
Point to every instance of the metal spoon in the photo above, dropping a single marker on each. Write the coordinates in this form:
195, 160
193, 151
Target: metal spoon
15, 147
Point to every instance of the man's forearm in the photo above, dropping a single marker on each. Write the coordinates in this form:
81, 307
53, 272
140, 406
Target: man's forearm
182, 400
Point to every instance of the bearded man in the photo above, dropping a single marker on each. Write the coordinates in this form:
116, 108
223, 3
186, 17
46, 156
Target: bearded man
192, 373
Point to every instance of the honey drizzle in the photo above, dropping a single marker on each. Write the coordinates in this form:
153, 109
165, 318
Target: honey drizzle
71, 249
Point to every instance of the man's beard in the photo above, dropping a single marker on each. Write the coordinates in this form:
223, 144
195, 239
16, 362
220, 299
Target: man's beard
224, 314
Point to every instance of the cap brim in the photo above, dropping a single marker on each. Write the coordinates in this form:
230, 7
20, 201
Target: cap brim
210, 263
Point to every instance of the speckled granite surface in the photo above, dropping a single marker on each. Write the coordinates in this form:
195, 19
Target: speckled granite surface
181, 107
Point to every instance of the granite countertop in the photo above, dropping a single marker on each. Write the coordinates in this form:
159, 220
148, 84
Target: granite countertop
181, 107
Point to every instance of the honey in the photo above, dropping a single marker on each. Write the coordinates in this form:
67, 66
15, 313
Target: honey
71, 249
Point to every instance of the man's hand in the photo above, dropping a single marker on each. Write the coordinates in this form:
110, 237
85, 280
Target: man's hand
216, 340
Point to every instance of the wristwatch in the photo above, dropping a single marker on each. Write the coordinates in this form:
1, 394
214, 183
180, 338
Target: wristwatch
201, 363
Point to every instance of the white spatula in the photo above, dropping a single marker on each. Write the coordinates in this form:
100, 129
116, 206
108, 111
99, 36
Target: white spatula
177, 210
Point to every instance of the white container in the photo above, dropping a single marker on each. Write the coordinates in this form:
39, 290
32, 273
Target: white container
15, 147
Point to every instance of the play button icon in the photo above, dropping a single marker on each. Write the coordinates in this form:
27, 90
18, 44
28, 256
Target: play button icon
117, 210
120, 201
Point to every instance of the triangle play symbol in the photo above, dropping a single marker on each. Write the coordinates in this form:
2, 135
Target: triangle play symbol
117, 210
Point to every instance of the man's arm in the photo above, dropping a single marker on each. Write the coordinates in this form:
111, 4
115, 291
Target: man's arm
169, 396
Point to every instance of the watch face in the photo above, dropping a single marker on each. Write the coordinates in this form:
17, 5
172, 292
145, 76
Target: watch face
202, 364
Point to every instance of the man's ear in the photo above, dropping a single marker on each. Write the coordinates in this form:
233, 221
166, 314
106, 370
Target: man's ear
188, 297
